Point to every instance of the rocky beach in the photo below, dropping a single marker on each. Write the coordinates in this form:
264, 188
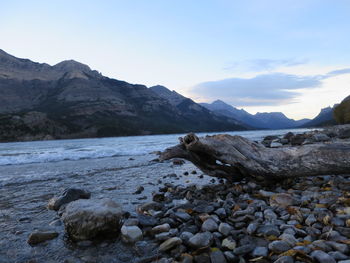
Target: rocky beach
149, 211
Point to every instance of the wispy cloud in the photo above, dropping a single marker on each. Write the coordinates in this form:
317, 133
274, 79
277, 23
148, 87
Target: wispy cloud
262, 90
262, 64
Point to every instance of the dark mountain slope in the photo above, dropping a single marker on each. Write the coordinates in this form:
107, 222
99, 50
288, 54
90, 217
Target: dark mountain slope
324, 118
342, 111
69, 100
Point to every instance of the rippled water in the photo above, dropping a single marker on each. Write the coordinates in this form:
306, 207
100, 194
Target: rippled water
61, 150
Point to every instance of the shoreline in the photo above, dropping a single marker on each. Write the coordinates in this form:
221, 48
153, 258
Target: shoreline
23, 210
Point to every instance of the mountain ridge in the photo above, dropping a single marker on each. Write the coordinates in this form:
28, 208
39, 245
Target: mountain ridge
263, 120
69, 100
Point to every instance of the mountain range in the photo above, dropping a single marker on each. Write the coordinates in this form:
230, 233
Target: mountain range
69, 100
264, 120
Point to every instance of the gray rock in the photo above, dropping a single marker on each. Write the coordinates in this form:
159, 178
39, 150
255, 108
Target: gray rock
139, 190
145, 220
279, 246
209, 225
68, 195
291, 240
230, 257
269, 214
306, 250
85, 219
217, 257
202, 258
201, 240
225, 229
322, 257
185, 236
131, 234
343, 248
186, 258
251, 228
260, 252
310, 219
344, 133
245, 249
285, 259
221, 212
264, 193
163, 236
320, 244
275, 145
338, 255
320, 137
204, 209
183, 216
169, 244
344, 261
268, 230
41, 236
161, 228
131, 222
228, 243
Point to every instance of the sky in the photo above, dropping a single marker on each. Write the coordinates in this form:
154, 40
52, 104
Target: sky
289, 56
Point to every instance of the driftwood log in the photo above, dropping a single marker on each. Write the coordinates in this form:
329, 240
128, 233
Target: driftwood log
235, 158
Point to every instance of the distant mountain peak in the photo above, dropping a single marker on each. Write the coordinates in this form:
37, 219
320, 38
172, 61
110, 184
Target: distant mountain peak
172, 96
219, 102
71, 65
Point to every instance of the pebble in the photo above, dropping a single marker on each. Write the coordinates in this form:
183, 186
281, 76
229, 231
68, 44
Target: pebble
170, 243
217, 257
161, 228
39, 237
228, 243
245, 249
285, 259
269, 214
209, 225
290, 239
251, 228
260, 252
279, 246
131, 234
268, 230
204, 209
225, 229
201, 240
310, 219
185, 236
322, 257
183, 216
337, 255
221, 212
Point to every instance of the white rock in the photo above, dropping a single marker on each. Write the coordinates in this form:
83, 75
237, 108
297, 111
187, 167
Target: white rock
85, 218
131, 234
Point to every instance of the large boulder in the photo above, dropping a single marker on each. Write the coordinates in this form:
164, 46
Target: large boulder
86, 219
68, 195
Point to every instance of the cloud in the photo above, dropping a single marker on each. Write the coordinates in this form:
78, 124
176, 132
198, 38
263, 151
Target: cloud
262, 90
337, 72
258, 65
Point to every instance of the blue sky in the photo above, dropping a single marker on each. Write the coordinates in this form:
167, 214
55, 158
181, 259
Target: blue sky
259, 55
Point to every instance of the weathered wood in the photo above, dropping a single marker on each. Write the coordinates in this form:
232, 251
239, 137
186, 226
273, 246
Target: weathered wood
235, 157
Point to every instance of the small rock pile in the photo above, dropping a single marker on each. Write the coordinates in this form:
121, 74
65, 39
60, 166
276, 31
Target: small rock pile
307, 221
310, 137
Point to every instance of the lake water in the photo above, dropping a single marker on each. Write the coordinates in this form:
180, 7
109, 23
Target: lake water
33, 160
